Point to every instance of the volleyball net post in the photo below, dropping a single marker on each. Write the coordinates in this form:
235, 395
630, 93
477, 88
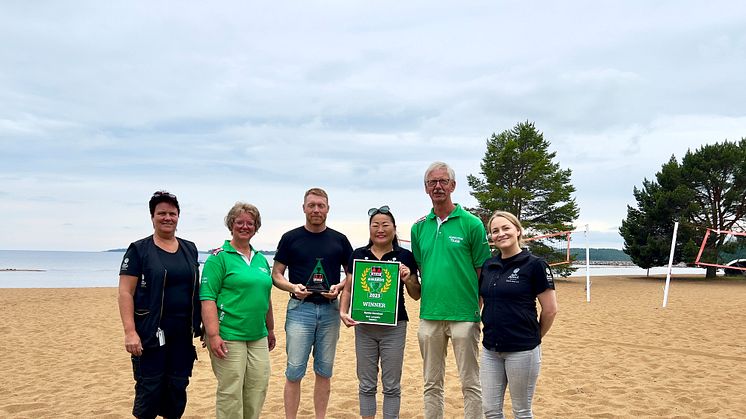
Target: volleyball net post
670, 263
587, 267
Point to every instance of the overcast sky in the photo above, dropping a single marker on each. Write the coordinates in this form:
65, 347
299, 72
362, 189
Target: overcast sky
103, 102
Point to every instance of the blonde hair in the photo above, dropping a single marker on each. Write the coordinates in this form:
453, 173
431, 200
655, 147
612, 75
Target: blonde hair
240, 208
512, 219
318, 192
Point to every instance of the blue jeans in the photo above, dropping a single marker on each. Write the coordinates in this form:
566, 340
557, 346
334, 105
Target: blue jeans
384, 343
311, 326
516, 370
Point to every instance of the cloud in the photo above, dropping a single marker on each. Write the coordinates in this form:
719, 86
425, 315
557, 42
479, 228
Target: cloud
103, 103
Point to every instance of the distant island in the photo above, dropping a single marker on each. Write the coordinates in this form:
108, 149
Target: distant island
600, 255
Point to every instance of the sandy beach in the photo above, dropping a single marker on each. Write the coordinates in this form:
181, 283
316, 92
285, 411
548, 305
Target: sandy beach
621, 355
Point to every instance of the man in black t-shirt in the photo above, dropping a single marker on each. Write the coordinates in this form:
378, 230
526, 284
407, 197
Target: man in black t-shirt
315, 255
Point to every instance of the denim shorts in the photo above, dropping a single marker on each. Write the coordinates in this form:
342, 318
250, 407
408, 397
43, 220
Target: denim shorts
311, 326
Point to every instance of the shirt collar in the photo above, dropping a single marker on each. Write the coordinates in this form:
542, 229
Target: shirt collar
455, 213
228, 248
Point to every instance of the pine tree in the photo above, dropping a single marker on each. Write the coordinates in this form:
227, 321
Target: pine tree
706, 190
648, 228
519, 175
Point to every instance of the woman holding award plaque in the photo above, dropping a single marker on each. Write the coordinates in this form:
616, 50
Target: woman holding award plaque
374, 342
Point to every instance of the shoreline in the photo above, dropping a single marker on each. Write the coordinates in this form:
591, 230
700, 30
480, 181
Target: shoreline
21, 270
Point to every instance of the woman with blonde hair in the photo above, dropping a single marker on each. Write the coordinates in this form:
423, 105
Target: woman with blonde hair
237, 313
509, 285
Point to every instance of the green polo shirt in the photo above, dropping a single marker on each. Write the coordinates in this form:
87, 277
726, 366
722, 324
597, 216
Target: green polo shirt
447, 256
241, 292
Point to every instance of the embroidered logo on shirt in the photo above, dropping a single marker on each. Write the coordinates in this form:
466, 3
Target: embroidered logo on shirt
263, 269
125, 263
550, 277
513, 277
455, 239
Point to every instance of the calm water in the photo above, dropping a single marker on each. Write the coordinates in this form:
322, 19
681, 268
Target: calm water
62, 269
101, 269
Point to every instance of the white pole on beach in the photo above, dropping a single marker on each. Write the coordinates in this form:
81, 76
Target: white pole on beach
587, 267
670, 262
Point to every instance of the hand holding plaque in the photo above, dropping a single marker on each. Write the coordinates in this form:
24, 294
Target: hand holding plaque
375, 292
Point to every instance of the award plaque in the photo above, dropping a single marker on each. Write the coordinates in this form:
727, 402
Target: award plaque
375, 292
317, 282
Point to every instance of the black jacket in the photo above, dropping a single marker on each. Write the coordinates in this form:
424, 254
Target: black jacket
509, 288
150, 287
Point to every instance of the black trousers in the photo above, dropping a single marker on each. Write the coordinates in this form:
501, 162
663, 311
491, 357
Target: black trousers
162, 375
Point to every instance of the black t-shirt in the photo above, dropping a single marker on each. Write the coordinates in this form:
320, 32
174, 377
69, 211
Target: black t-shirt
509, 288
307, 254
177, 301
397, 255
177, 298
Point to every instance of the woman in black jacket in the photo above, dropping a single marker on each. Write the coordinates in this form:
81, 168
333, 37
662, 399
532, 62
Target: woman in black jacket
509, 286
160, 310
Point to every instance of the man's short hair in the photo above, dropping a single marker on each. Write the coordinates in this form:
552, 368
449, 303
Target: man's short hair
440, 165
318, 192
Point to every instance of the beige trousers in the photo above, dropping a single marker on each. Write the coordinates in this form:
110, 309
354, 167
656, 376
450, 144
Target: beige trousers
433, 337
243, 378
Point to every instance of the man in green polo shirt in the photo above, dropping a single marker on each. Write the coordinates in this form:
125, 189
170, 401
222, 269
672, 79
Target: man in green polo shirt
450, 246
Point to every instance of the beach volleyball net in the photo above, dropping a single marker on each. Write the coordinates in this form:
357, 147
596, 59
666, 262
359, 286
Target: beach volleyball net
554, 248
729, 256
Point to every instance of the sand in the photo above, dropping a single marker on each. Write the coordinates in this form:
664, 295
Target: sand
621, 355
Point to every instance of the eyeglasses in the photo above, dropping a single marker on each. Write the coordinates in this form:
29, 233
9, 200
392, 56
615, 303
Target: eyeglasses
157, 194
382, 210
434, 182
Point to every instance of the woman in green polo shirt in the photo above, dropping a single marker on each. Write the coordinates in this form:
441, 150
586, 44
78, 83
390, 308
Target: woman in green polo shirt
237, 314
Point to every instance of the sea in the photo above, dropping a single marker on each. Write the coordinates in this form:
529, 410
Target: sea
63, 269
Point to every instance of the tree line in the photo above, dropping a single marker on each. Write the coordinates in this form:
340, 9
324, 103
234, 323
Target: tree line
707, 189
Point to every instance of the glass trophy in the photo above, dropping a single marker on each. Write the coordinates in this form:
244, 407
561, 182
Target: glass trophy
317, 282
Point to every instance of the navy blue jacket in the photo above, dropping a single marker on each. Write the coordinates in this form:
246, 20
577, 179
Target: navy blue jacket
509, 288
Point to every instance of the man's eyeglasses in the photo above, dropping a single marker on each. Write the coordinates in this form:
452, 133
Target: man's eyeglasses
382, 210
157, 194
434, 182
